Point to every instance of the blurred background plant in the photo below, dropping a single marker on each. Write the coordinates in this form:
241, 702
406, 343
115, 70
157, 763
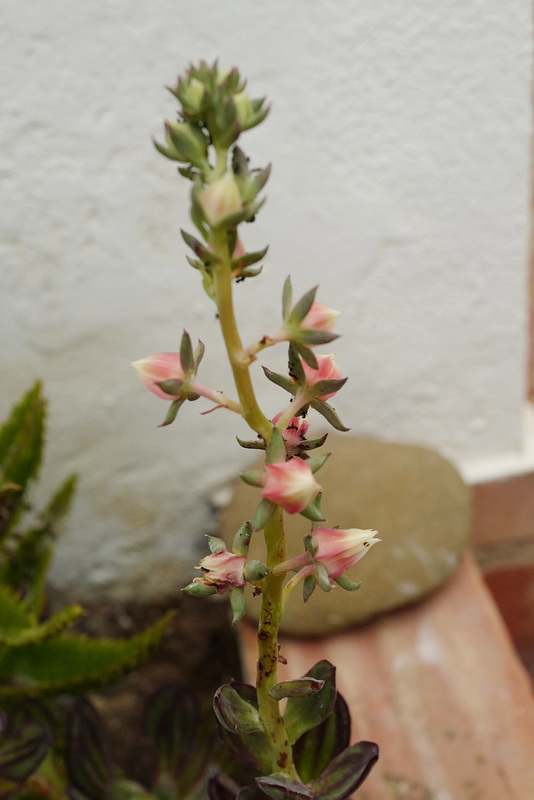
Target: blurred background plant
41, 662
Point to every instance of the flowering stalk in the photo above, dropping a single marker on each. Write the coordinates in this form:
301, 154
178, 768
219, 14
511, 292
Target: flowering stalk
272, 586
215, 110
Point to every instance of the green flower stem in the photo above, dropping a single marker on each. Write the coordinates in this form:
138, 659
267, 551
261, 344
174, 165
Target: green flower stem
223, 286
249, 354
217, 397
267, 666
292, 564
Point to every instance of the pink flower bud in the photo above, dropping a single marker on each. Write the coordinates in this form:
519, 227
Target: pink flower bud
327, 370
290, 485
320, 318
338, 550
220, 199
222, 571
295, 431
159, 368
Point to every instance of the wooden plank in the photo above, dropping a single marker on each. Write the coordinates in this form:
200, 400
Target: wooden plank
440, 688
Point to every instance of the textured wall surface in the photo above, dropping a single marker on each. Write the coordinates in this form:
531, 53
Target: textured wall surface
400, 137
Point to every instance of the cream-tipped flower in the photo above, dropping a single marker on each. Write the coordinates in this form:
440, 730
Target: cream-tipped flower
327, 370
220, 199
222, 571
290, 485
320, 318
160, 368
337, 550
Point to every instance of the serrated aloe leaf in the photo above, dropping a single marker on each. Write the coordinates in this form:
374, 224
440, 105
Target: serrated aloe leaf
21, 443
72, 663
329, 414
87, 760
303, 713
298, 687
234, 713
25, 569
38, 633
15, 615
315, 749
281, 787
36, 553
276, 451
346, 772
22, 749
17, 461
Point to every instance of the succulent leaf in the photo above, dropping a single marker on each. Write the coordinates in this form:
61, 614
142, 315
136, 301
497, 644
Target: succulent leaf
234, 713
304, 713
346, 772
280, 786
315, 749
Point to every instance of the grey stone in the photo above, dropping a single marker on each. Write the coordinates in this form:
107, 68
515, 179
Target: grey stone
412, 496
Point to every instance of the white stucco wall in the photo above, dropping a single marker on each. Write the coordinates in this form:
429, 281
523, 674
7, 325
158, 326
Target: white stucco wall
400, 138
